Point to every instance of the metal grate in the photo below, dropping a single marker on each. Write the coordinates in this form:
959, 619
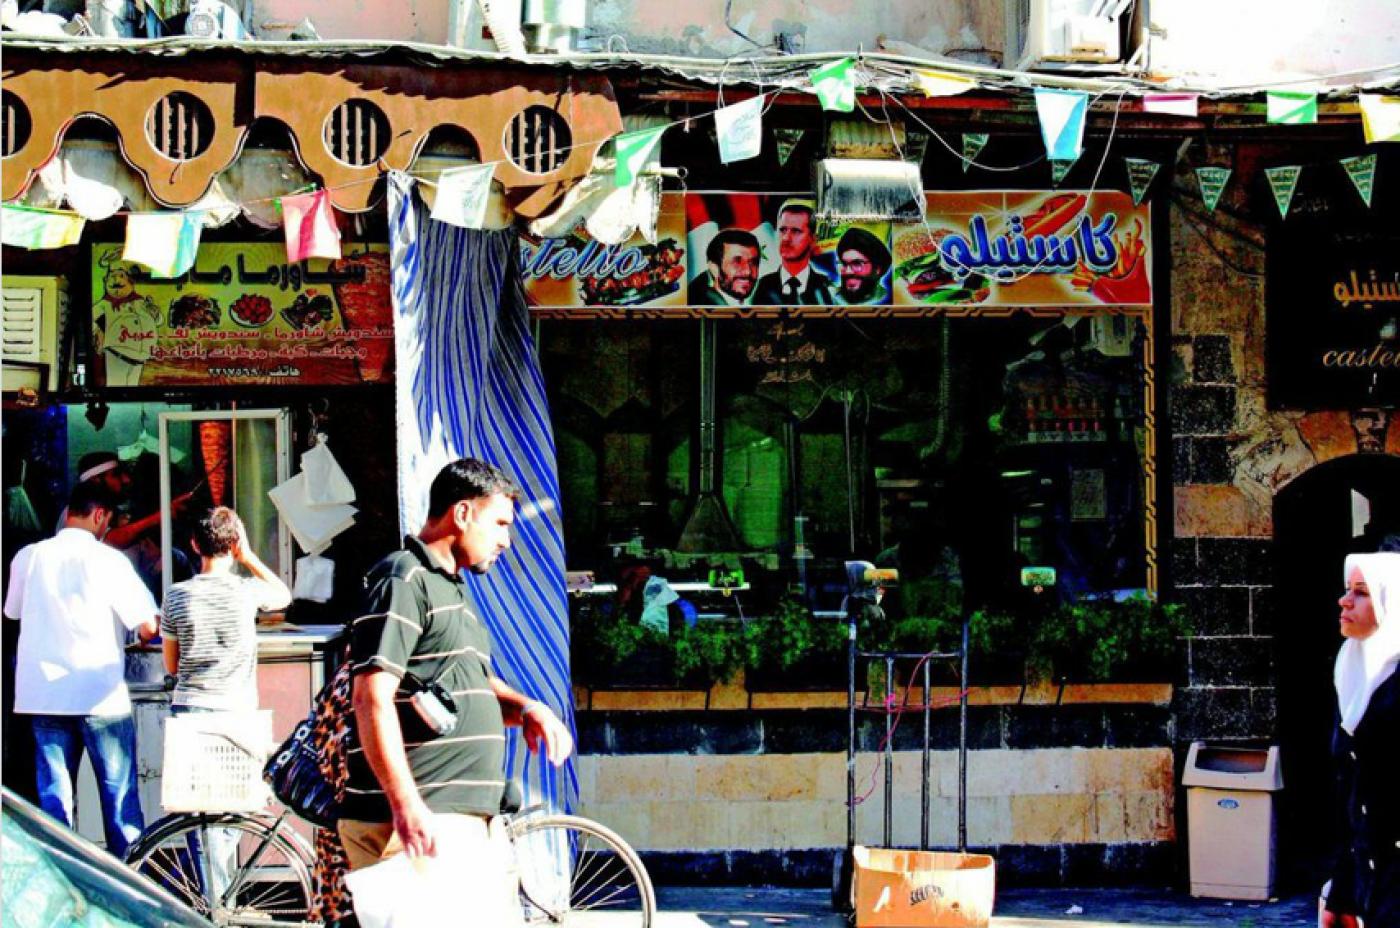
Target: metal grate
357, 133
180, 126
538, 139
15, 125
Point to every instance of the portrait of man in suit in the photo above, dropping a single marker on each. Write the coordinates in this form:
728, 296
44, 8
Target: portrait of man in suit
732, 258
796, 283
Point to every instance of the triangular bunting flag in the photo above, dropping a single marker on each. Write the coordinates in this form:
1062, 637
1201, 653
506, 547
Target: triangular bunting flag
26, 227
1140, 174
973, 143
633, 149
1362, 171
786, 140
1212, 181
167, 243
1170, 104
740, 130
1059, 167
942, 84
309, 223
916, 146
835, 85
1291, 107
463, 194
1062, 121
1283, 181
1380, 117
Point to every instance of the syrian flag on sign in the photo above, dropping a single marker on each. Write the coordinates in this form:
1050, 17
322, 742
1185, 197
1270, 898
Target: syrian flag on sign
706, 215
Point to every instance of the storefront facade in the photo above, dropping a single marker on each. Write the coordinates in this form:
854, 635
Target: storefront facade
1047, 404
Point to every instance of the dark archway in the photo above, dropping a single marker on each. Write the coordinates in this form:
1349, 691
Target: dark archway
1313, 533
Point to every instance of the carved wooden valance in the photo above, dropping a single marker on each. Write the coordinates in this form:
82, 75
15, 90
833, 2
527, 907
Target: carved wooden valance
180, 121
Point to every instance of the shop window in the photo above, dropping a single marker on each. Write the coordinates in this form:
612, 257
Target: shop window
223, 458
954, 448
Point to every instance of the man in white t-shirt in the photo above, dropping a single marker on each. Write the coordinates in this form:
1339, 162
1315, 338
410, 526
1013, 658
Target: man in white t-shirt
75, 599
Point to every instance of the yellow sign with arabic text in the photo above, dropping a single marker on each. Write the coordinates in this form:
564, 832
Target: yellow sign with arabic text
243, 315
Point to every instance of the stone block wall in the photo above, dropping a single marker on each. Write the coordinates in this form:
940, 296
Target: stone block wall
1231, 454
1058, 793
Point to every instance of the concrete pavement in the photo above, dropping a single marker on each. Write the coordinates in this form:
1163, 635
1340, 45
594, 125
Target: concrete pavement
728, 907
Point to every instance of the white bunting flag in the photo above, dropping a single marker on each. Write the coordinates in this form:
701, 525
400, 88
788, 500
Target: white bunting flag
740, 130
164, 242
462, 195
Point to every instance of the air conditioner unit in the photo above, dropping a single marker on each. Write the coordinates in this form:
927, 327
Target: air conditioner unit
33, 311
213, 19
1041, 32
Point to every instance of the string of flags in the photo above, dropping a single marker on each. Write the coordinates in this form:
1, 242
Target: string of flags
168, 242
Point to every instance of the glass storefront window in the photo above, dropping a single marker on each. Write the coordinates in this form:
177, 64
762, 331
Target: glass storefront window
969, 446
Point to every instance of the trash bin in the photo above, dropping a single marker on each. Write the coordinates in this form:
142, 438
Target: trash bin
1230, 817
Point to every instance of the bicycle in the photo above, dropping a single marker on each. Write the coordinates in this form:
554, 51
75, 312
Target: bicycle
572, 870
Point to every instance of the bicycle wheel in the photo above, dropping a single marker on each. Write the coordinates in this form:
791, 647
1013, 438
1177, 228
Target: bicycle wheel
575, 872
233, 869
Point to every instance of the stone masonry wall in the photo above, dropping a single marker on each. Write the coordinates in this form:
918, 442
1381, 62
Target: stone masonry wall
1230, 455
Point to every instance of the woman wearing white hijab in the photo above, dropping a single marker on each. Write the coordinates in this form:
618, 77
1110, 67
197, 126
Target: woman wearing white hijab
1365, 886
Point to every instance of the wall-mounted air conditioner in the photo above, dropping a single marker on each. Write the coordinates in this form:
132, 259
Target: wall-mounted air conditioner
214, 19
1065, 33
33, 311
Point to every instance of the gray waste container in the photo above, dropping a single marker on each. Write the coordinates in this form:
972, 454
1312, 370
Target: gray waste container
1231, 821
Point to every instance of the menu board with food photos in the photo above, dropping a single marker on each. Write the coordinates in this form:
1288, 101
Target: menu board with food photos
243, 315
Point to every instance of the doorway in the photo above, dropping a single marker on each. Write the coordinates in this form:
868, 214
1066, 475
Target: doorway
1343, 506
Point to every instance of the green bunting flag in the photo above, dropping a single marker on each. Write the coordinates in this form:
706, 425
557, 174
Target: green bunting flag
915, 147
1059, 167
1212, 181
1291, 107
25, 227
786, 140
1283, 181
1140, 174
973, 143
633, 149
835, 84
1362, 171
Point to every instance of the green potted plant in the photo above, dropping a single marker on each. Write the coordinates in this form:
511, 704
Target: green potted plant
791, 649
1097, 640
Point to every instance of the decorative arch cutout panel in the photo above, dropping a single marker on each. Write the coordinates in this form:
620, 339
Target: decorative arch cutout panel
349, 123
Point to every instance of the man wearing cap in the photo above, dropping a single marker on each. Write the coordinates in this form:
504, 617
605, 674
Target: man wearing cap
862, 261
115, 474
74, 597
795, 284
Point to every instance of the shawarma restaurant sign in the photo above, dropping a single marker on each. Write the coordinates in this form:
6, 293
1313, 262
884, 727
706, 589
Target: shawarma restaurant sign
975, 248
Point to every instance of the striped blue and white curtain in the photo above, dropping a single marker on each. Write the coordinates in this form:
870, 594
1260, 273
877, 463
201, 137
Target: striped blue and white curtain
468, 384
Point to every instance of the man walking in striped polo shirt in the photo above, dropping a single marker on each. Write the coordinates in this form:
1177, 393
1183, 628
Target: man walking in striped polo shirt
404, 777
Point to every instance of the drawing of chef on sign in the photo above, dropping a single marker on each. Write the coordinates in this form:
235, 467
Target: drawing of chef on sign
124, 326
796, 283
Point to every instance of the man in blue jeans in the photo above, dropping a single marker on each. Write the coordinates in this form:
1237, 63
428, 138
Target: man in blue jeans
75, 599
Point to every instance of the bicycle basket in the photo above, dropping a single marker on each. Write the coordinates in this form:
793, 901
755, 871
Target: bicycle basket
213, 761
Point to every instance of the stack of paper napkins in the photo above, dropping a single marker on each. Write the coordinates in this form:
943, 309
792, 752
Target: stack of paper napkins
315, 503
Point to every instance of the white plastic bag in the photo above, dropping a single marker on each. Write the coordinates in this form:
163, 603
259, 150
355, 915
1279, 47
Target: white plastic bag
471, 882
326, 483
315, 579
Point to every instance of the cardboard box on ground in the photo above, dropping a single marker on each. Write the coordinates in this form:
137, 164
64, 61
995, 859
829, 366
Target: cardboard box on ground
914, 889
